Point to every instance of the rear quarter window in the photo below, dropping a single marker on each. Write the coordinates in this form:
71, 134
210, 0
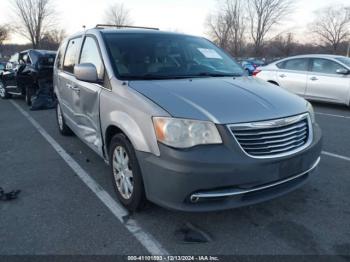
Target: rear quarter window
60, 55
71, 55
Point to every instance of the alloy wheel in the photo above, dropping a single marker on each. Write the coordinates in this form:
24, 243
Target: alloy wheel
122, 172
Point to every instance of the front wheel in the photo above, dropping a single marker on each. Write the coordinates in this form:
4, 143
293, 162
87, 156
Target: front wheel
3, 91
126, 173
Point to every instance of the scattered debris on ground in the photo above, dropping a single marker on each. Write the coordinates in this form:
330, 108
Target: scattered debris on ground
8, 196
191, 234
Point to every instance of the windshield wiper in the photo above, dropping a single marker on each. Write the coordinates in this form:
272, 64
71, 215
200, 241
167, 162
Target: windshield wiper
155, 77
216, 74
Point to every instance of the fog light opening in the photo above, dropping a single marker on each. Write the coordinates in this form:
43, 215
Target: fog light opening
194, 199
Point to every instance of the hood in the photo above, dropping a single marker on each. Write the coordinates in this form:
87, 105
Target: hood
221, 100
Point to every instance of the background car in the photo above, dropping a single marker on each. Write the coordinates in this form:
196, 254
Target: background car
251, 64
24, 71
2, 67
315, 77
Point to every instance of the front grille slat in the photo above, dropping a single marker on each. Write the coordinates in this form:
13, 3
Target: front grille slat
277, 145
279, 150
244, 138
273, 138
271, 131
268, 142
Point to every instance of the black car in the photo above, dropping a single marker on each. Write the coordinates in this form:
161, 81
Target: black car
2, 67
25, 72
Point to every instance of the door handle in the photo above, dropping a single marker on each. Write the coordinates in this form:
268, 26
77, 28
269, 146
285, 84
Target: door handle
283, 76
73, 88
314, 78
76, 89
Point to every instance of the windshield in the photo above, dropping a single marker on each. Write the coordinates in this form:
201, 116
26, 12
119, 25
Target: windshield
344, 60
2, 66
167, 56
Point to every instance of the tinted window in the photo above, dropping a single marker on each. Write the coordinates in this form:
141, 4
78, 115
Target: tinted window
300, 64
325, 66
47, 60
154, 56
2, 66
90, 54
71, 55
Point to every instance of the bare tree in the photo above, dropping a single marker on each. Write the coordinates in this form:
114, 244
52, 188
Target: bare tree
34, 19
332, 25
118, 14
263, 15
227, 25
52, 39
284, 44
4, 33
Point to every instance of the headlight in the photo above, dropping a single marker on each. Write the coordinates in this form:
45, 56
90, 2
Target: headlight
311, 112
183, 133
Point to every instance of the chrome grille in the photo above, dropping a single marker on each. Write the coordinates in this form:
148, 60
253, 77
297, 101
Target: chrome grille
274, 138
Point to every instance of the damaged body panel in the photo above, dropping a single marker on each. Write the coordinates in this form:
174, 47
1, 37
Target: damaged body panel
25, 72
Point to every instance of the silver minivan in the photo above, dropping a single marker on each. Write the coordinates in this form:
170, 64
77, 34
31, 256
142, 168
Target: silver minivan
179, 123
324, 78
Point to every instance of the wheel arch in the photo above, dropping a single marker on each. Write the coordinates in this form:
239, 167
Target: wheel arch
125, 125
273, 82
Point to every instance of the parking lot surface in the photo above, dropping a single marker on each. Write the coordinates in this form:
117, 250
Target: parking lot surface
57, 213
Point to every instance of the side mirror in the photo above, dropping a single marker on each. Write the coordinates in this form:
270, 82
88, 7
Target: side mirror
342, 71
86, 72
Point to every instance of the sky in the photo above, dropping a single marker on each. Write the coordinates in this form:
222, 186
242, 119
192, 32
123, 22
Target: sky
187, 16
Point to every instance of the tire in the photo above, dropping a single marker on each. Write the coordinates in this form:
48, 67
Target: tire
126, 177
3, 91
28, 95
62, 126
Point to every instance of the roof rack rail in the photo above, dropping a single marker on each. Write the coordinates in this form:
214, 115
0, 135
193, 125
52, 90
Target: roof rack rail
101, 26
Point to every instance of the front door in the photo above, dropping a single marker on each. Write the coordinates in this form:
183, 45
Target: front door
86, 97
325, 84
292, 75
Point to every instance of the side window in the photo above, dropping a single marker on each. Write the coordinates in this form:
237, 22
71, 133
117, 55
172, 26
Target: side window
14, 58
23, 58
71, 55
59, 59
299, 64
28, 60
90, 54
325, 66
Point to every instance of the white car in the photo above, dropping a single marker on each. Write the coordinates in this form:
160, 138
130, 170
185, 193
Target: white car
314, 77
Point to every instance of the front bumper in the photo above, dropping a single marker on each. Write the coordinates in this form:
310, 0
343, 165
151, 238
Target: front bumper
218, 177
